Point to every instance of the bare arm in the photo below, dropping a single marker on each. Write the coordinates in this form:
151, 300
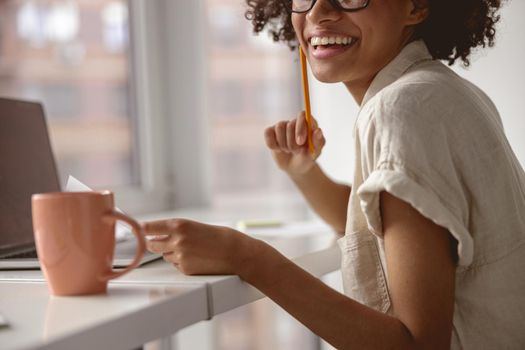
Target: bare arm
421, 282
288, 143
421, 273
328, 198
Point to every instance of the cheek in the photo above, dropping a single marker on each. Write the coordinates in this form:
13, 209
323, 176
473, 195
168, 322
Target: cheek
380, 40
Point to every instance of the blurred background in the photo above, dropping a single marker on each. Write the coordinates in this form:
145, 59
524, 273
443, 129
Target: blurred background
102, 67
165, 102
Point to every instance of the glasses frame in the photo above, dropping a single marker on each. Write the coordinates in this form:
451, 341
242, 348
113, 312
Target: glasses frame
334, 3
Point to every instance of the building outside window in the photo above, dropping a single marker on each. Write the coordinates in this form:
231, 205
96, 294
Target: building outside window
252, 83
73, 57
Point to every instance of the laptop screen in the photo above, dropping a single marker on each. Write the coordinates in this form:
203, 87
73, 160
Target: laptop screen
27, 166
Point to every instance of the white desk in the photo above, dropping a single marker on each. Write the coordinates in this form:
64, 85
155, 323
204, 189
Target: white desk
126, 317
149, 303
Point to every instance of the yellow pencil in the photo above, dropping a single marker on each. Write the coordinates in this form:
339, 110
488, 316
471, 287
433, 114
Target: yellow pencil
306, 94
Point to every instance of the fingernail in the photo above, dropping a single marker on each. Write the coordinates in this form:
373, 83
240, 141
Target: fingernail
300, 139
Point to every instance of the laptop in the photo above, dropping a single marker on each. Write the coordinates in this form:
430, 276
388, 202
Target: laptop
27, 166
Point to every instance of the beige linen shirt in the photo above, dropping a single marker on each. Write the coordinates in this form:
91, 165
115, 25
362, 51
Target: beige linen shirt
436, 141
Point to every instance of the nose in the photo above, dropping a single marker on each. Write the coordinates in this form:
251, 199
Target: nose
323, 11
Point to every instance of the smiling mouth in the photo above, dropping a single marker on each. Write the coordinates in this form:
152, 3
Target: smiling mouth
331, 41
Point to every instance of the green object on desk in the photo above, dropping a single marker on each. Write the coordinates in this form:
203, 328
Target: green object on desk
249, 224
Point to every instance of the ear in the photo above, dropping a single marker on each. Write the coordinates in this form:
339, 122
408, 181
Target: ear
419, 11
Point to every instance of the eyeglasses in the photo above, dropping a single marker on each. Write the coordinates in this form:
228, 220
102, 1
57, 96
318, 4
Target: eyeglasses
303, 6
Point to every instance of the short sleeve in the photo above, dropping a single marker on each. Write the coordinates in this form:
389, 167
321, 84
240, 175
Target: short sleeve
414, 160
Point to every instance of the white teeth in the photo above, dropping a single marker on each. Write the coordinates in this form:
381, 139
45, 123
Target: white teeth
325, 40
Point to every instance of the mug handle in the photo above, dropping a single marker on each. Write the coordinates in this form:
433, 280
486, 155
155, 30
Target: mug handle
141, 246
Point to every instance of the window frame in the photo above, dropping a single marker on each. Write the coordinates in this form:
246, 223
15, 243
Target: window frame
170, 105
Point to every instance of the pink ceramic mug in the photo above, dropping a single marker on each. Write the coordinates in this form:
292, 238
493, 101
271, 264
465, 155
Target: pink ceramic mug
75, 240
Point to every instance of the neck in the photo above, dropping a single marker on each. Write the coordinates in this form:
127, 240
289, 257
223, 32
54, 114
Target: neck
359, 88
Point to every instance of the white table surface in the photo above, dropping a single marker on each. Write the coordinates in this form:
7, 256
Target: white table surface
151, 302
128, 316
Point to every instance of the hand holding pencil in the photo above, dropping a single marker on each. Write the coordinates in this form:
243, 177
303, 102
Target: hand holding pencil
296, 143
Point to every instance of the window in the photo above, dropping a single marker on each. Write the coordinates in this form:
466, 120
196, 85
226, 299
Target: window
73, 56
252, 83
95, 68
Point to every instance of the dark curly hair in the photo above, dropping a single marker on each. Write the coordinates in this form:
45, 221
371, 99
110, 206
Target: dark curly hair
452, 29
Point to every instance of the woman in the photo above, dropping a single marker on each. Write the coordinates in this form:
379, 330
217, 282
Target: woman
433, 251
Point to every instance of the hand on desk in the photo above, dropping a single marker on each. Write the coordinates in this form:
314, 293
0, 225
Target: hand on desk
197, 249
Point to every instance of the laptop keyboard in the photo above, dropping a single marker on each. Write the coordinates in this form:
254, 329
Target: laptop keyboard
25, 255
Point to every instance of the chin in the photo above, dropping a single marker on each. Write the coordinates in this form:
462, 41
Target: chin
327, 77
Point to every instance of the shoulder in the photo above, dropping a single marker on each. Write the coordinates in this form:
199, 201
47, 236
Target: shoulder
422, 93
430, 96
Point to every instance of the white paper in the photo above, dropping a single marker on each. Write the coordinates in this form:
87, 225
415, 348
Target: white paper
74, 185
122, 230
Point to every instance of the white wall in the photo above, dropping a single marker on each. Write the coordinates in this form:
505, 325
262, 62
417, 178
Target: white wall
335, 110
499, 71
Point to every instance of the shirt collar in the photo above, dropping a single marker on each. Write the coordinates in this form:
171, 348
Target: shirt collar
410, 55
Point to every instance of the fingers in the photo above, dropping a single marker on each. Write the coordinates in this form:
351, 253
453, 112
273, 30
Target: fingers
301, 129
275, 137
164, 235
270, 138
193, 247
291, 139
174, 234
171, 239
165, 227
169, 257
160, 247
289, 136
280, 134
317, 134
319, 141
